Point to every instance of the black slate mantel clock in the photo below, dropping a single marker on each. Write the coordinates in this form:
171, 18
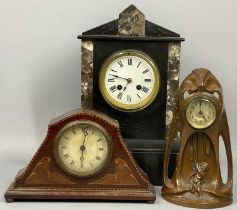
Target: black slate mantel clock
130, 71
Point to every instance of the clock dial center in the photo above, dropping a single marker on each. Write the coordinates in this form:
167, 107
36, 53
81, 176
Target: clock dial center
82, 148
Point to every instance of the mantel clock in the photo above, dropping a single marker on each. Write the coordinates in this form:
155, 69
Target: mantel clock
130, 71
82, 157
202, 122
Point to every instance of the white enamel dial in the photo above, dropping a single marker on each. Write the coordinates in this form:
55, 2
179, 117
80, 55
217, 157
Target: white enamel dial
129, 80
200, 113
82, 149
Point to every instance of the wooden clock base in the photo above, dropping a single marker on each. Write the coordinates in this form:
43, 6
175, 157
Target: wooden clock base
13, 194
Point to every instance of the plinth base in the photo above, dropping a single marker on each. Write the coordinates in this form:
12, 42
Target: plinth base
207, 201
14, 194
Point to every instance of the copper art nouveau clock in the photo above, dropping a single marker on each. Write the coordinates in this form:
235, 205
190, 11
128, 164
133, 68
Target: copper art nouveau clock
130, 71
202, 122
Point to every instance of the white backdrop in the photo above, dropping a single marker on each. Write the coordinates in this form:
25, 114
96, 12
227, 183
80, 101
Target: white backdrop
40, 67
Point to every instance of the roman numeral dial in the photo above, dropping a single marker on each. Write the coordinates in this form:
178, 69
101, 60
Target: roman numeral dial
129, 80
82, 149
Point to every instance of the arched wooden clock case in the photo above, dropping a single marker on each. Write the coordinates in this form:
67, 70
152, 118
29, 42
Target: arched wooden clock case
44, 178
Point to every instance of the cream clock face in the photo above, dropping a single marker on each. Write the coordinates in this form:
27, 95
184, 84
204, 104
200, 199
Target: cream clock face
82, 149
200, 113
129, 80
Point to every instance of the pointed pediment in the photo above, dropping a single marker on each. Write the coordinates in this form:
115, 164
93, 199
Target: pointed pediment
131, 24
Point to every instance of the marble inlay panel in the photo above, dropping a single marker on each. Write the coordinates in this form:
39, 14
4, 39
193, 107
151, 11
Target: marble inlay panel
86, 74
172, 82
131, 22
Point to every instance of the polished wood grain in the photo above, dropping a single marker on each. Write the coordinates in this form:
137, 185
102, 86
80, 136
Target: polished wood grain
121, 176
122, 179
43, 175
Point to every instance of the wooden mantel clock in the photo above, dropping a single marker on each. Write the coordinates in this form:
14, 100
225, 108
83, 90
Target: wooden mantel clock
82, 157
202, 121
130, 71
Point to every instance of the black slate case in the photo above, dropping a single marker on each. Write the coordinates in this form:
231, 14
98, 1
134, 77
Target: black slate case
148, 123
144, 131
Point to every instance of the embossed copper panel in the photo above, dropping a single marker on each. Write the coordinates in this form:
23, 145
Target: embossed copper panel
197, 181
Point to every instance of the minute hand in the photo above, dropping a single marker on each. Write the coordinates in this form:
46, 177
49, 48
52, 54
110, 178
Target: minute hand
119, 77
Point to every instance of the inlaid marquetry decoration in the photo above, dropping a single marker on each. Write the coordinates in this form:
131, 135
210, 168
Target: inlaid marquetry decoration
43, 175
122, 175
202, 122
82, 157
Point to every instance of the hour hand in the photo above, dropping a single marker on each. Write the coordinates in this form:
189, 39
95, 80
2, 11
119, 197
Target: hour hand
201, 113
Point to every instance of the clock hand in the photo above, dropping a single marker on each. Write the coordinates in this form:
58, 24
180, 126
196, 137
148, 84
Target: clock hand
119, 77
82, 147
125, 87
200, 112
129, 80
82, 158
84, 130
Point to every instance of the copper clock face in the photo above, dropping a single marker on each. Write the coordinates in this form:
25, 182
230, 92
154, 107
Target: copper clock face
200, 113
82, 148
129, 80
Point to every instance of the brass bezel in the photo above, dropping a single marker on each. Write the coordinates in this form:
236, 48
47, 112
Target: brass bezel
204, 97
129, 107
69, 170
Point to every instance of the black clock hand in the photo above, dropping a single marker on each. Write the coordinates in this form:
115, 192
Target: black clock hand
82, 158
118, 77
129, 80
125, 87
200, 112
82, 148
